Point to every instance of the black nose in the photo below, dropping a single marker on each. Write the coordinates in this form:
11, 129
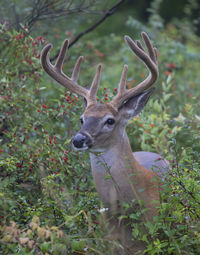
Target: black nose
79, 140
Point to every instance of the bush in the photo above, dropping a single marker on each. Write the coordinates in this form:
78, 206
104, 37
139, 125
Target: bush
48, 200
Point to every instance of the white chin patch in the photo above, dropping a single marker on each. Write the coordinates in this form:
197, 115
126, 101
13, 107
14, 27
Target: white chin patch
80, 149
97, 150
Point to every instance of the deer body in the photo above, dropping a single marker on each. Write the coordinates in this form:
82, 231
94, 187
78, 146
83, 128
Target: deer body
120, 175
127, 176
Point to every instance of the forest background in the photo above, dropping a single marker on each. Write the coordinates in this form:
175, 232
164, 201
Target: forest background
48, 201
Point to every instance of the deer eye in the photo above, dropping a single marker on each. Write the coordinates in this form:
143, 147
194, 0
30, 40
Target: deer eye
81, 120
110, 121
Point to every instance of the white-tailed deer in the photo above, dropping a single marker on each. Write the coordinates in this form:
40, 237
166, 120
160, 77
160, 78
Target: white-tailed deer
103, 134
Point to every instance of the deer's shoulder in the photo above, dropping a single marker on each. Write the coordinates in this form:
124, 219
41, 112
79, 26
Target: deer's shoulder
152, 161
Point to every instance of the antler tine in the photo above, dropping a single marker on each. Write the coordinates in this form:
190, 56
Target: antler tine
56, 71
45, 62
94, 86
122, 84
76, 69
140, 45
149, 46
150, 60
156, 55
61, 57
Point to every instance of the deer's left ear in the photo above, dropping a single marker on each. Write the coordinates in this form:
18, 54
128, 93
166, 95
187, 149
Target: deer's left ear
133, 106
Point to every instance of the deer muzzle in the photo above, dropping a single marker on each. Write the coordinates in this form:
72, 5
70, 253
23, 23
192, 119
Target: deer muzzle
81, 142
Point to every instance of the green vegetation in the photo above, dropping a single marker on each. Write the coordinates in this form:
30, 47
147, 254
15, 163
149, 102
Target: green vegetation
48, 201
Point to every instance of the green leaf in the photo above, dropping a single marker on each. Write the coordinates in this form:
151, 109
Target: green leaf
141, 190
107, 177
78, 245
135, 232
45, 246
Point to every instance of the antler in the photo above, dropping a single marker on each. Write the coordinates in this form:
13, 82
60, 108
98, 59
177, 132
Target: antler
150, 60
70, 83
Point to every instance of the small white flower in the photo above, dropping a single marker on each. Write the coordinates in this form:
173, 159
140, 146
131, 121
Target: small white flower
103, 210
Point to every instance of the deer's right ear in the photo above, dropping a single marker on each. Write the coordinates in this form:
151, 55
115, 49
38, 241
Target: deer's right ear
133, 106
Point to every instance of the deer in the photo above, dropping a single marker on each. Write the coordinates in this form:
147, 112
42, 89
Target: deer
103, 135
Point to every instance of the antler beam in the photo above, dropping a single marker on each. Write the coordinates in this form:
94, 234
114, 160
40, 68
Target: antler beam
55, 71
149, 59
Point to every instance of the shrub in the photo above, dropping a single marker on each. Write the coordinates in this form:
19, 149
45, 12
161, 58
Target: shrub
48, 200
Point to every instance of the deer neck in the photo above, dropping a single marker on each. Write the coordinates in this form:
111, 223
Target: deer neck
116, 172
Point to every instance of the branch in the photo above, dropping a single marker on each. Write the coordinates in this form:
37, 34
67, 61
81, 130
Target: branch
17, 20
43, 10
111, 11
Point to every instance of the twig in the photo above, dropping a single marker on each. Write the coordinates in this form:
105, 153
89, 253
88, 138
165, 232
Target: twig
17, 20
111, 11
42, 11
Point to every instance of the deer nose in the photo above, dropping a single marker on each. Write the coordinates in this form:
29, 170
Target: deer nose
79, 140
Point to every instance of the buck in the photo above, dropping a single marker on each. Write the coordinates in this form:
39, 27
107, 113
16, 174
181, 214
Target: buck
103, 134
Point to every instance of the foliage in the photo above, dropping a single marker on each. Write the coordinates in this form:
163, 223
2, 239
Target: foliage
176, 229
48, 200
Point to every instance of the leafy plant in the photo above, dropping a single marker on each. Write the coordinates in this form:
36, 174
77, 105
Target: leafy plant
48, 203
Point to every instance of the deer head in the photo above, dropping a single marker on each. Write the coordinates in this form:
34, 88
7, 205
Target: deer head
103, 124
